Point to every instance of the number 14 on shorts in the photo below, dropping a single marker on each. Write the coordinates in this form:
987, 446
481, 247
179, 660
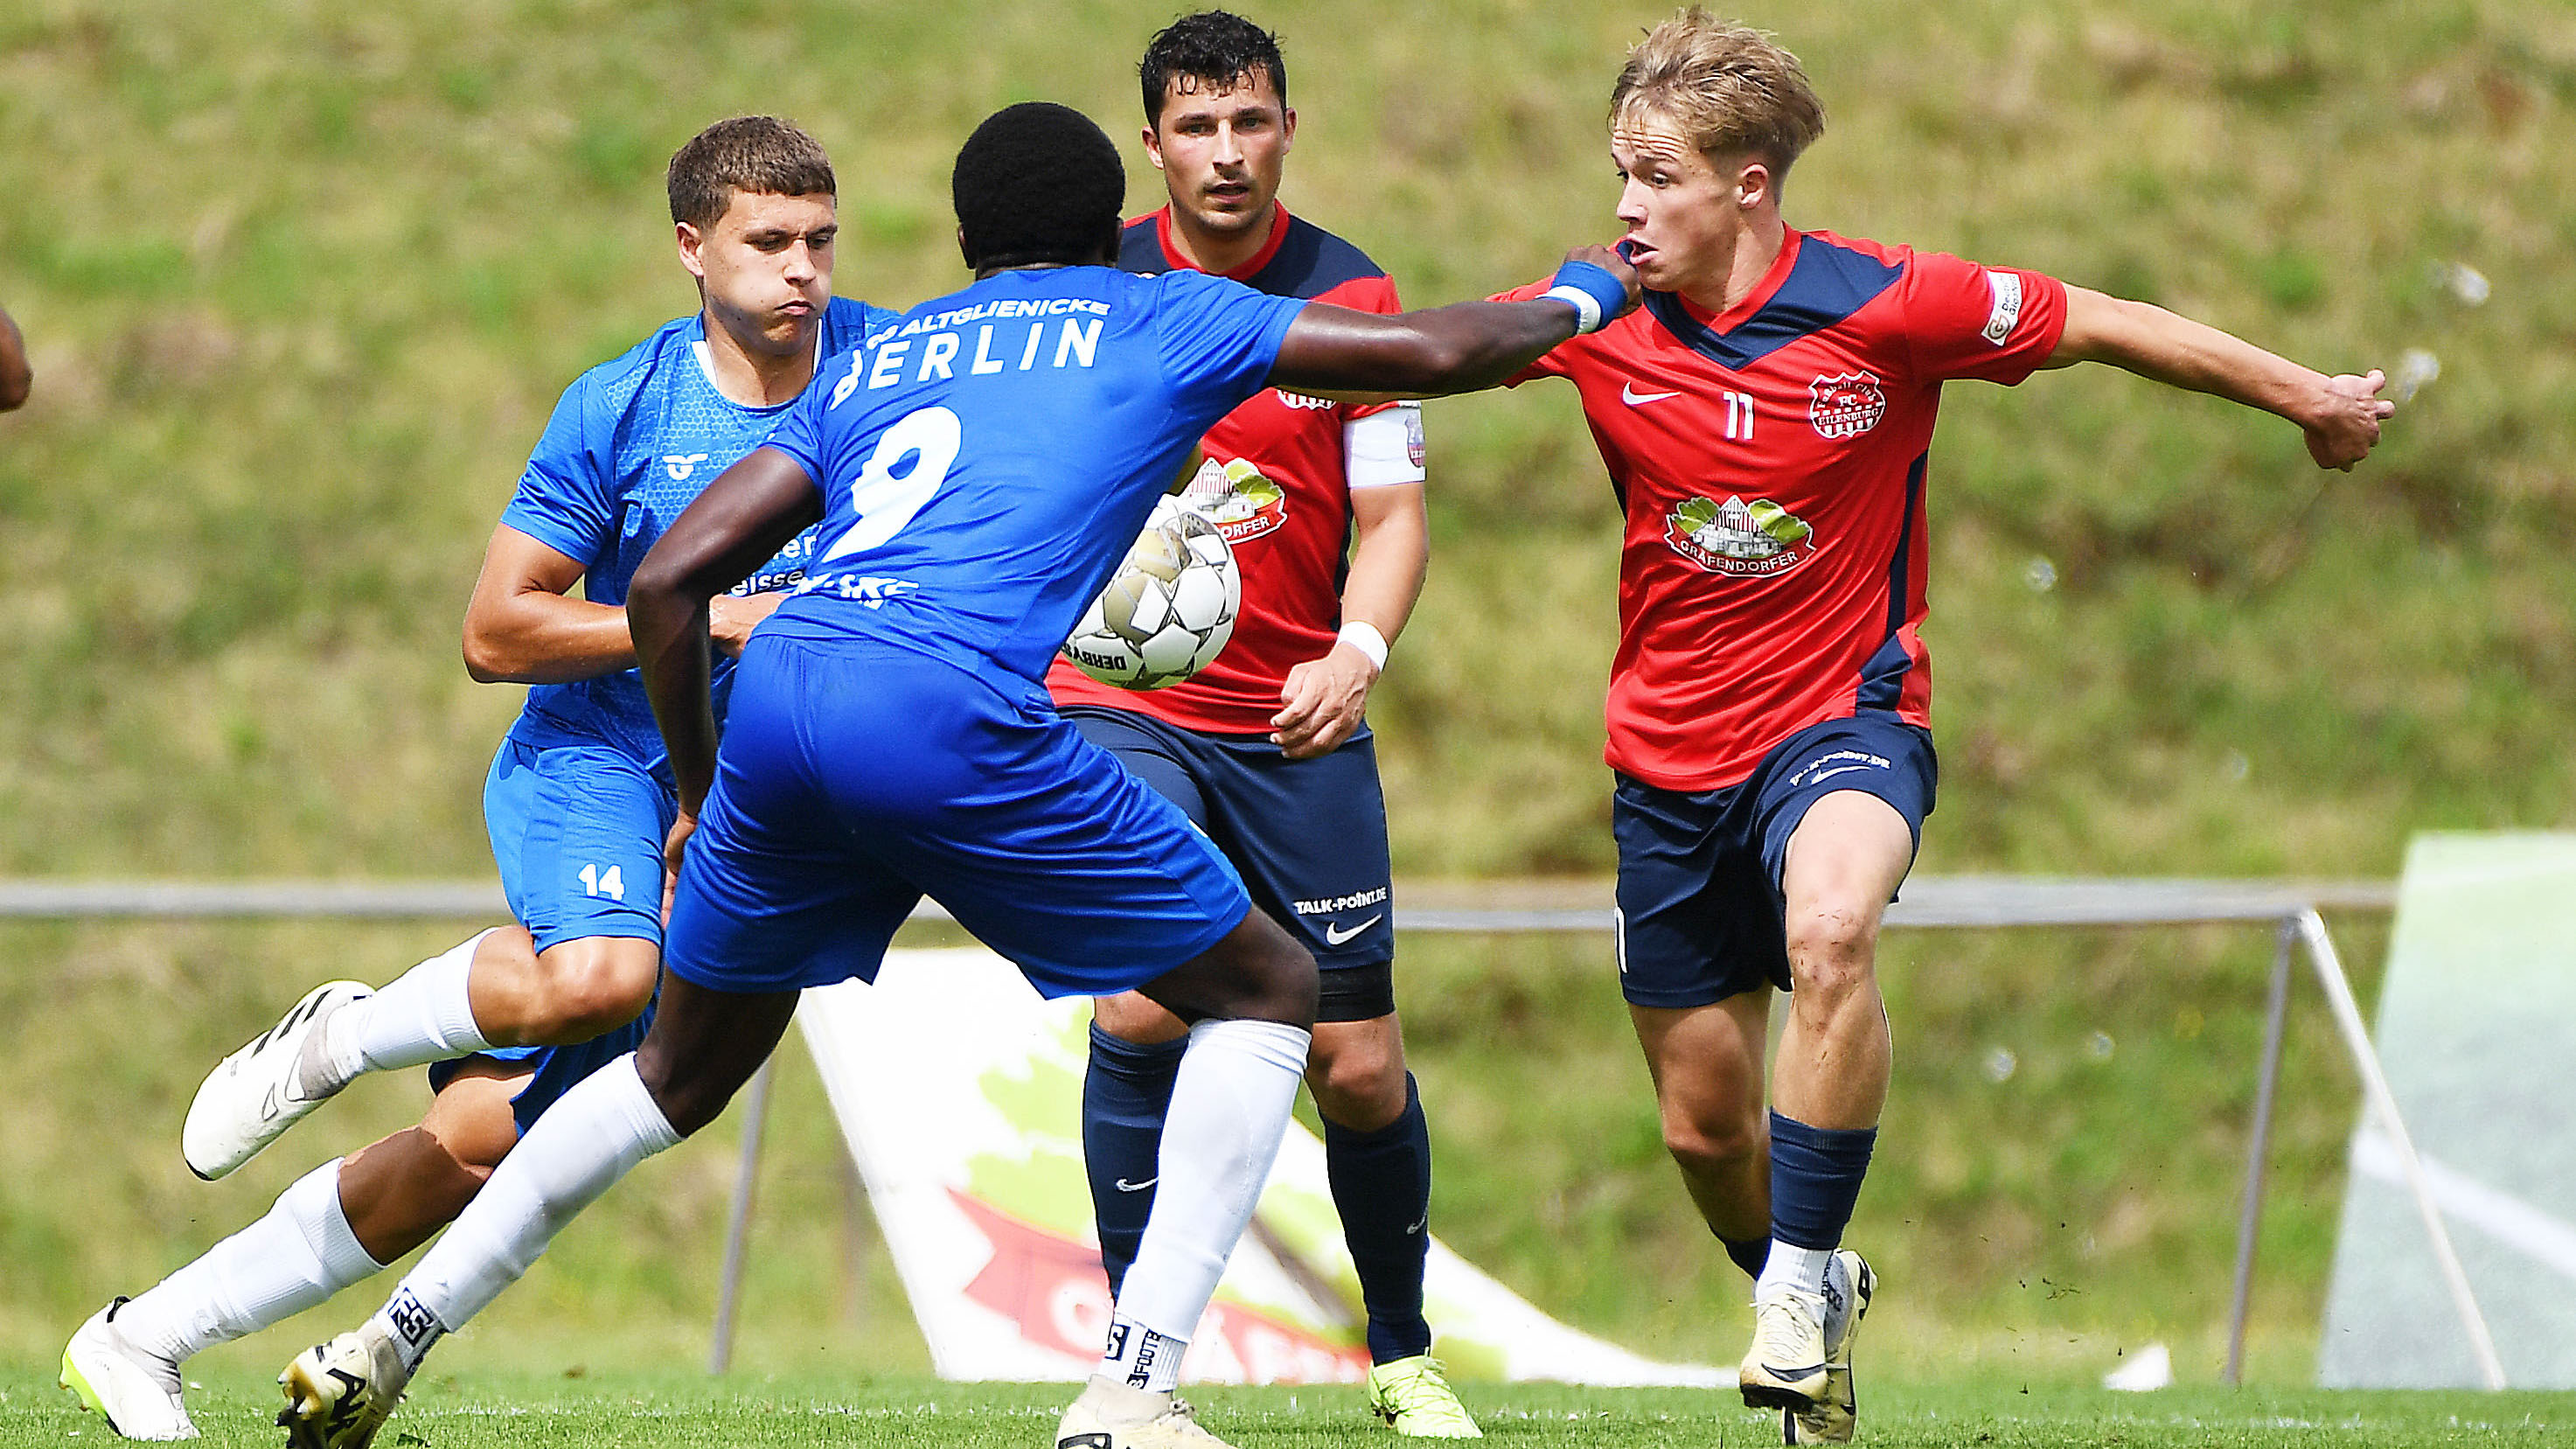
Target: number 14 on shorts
610, 882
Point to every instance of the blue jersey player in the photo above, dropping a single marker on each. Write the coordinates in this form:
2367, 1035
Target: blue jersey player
578, 800
976, 471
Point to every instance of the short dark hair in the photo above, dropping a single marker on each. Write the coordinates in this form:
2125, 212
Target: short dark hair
1037, 183
760, 154
1213, 46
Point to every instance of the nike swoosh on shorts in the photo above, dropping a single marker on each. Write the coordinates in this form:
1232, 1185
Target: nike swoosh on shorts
1335, 935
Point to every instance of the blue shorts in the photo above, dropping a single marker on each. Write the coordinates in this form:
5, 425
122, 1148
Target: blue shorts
1309, 836
556, 1068
857, 776
577, 830
1701, 915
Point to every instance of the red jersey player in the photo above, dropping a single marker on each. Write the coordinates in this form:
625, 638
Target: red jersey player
1267, 748
1765, 419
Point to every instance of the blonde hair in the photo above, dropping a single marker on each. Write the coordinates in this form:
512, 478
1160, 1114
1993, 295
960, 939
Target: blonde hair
1730, 88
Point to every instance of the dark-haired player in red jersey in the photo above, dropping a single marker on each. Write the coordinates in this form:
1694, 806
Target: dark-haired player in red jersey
1267, 749
1765, 419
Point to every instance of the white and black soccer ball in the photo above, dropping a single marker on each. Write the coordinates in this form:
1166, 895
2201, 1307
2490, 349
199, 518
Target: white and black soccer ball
1168, 611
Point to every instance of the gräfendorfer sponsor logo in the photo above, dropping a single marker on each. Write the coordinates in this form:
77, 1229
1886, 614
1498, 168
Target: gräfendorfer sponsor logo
1845, 405
1236, 497
1744, 539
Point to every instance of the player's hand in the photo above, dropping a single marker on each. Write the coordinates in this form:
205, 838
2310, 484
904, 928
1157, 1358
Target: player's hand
672, 847
1609, 260
730, 618
2346, 426
1325, 701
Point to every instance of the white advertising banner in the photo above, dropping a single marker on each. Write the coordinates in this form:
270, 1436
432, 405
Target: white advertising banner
960, 1093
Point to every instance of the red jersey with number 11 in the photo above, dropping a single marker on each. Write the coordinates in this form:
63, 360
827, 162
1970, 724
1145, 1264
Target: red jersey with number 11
1771, 464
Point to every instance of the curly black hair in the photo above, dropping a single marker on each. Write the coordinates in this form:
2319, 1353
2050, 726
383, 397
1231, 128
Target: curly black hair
1037, 183
1213, 47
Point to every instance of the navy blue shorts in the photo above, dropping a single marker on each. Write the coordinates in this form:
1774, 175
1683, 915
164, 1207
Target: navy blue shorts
856, 777
1308, 836
1701, 916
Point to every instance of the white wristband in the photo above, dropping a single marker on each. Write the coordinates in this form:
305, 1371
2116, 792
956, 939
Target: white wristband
1363, 636
1587, 308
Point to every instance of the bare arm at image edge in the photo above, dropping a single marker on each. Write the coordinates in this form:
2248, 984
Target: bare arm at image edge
15, 376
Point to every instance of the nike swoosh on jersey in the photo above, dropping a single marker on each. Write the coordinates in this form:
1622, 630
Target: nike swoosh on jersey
1335, 935
1628, 394
1123, 1185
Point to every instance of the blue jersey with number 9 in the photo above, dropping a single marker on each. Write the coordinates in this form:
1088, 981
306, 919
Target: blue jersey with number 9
985, 461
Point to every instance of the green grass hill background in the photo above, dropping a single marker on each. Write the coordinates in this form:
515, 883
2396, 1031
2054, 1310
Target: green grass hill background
302, 280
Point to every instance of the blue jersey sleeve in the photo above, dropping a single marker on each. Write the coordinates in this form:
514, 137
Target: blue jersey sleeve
1219, 335
566, 498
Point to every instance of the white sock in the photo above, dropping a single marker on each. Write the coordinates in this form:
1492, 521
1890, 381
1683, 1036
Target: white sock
299, 1254
1838, 1297
592, 1136
419, 1017
1796, 1272
1230, 1102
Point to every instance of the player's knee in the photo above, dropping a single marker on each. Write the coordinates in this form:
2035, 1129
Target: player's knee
1359, 1085
592, 985
1712, 1144
1832, 948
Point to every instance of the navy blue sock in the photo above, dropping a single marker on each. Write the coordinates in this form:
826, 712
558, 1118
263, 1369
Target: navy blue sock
1125, 1096
1749, 1254
1382, 1187
1815, 1180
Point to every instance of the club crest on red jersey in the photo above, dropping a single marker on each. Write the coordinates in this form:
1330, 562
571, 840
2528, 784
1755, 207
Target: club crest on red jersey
1845, 405
1236, 498
1754, 539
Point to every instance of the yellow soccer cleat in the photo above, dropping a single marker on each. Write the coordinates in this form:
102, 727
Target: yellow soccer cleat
338, 1394
137, 1393
1413, 1396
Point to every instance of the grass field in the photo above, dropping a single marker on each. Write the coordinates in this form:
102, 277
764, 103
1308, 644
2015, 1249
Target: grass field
681, 1410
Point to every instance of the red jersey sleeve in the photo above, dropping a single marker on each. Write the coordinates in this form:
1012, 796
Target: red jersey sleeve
1997, 324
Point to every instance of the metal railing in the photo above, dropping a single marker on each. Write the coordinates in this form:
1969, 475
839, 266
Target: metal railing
1953, 902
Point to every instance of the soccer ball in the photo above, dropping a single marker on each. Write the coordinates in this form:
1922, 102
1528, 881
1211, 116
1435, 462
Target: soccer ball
1169, 609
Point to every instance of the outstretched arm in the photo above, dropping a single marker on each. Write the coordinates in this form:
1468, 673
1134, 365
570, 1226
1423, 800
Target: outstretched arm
1364, 356
745, 516
2340, 415
15, 375
524, 627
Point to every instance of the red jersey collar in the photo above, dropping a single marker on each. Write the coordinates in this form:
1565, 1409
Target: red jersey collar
1755, 300
1251, 268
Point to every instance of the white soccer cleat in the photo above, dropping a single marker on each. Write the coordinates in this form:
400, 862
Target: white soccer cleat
1110, 1415
1837, 1410
135, 1391
1785, 1367
268, 1086
338, 1394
